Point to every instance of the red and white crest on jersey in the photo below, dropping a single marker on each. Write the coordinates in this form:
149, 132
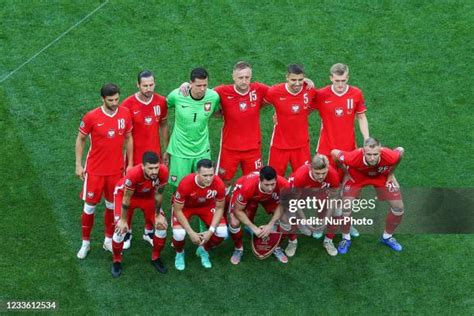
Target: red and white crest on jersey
241, 129
303, 179
292, 111
360, 171
338, 112
106, 133
247, 189
146, 117
143, 188
191, 194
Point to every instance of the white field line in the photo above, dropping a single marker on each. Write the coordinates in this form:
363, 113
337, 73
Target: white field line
54, 41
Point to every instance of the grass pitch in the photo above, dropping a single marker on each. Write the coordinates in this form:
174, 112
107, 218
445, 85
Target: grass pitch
413, 61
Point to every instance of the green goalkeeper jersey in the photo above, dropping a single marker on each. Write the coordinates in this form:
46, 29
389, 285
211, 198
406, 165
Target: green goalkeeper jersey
190, 137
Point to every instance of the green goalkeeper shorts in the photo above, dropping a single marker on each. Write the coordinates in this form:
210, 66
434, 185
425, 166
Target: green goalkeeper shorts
181, 167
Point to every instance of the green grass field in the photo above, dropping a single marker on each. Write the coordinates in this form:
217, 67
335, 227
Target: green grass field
412, 59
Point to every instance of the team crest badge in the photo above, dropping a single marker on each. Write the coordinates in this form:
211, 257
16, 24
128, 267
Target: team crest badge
111, 133
339, 112
243, 106
263, 247
148, 120
207, 106
221, 171
174, 178
295, 108
90, 194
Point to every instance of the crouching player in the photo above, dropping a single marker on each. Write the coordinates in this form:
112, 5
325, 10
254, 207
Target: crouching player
262, 187
201, 194
372, 165
142, 187
320, 175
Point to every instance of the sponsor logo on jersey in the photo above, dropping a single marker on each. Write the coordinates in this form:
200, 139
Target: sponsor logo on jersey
111, 133
148, 120
243, 106
327, 101
207, 106
136, 112
339, 112
295, 108
201, 199
100, 124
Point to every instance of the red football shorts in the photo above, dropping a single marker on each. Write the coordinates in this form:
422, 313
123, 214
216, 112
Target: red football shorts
204, 213
384, 192
229, 160
279, 158
251, 207
94, 186
147, 205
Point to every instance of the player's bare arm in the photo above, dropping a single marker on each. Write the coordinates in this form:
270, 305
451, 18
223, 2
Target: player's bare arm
165, 137
391, 176
363, 125
216, 218
129, 149
309, 83
178, 213
80, 144
122, 226
239, 212
160, 220
268, 228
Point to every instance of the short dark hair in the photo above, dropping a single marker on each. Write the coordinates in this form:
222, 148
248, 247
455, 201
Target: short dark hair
205, 163
150, 157
199, 73
145, 74
109, 89
296, 69
267, 173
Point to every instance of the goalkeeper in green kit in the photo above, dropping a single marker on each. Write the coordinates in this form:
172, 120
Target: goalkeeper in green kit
189, 141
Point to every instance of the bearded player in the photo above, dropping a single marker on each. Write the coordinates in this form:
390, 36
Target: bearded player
263, 188
150, 132
372, 165
142, 187
320, 175
109, 128
199, 194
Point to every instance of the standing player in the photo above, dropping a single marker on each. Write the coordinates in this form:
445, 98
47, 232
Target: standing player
339, 105
372, 165
149, 115
201, 194
241, 137
290, 139
189, 141
265, 188
317, 175
142, 187
108, 128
